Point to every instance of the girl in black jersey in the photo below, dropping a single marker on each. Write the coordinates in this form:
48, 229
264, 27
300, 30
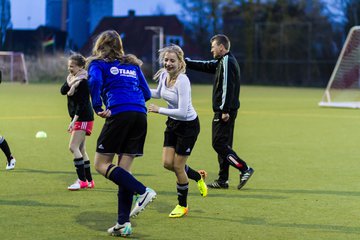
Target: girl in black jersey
82, 119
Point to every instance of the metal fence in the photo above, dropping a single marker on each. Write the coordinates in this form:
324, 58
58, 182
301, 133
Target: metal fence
286, 54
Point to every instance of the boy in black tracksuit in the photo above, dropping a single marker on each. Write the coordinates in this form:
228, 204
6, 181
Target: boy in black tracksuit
225, 101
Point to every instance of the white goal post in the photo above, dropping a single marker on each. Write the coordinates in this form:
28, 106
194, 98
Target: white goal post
13, 67
343, 89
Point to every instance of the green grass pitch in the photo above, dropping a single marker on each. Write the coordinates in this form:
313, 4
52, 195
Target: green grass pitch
305, 186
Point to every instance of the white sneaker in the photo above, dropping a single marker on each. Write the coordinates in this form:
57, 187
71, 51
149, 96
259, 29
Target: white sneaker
77, 185
120, 230
11, 165
142, 201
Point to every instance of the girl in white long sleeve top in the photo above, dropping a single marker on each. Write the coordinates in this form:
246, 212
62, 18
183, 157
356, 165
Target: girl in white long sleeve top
182, 126
177, 96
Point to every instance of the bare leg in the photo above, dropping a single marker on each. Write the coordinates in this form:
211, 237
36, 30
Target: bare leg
83, 150
179, 168
168, 157
77, 138
125, 161
102, 162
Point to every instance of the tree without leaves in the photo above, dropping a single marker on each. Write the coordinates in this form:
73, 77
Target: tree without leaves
265, 34
290, 31
203, 19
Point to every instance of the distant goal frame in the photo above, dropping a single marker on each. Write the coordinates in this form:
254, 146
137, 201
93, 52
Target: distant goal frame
327, 99
12, 55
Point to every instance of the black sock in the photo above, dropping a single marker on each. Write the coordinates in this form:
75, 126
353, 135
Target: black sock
192, 174
125, 198
87, 170
79, 165
5, 148
123, 178
182, 191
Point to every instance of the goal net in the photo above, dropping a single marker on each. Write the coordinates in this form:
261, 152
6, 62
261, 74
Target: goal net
13, 67
343, 89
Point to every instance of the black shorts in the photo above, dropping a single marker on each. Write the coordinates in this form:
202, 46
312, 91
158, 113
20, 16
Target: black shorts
181, 135
124, 133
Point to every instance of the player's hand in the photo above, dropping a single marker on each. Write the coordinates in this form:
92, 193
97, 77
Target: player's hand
203, 173
153, 108
104, 114
71, 127
225, 117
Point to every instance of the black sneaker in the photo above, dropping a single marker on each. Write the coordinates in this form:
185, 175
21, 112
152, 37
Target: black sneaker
218, 184
244, 177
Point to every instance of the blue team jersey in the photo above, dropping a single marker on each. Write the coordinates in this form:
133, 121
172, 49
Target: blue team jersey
120, 87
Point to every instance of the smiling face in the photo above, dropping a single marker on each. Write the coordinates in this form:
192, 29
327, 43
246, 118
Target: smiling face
73, 68
171, 63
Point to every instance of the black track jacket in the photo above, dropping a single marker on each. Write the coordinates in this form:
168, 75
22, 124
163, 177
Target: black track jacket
226, 88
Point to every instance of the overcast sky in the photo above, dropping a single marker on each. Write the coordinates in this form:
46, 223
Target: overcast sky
31, 13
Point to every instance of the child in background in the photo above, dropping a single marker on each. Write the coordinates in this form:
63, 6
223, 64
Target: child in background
82, 119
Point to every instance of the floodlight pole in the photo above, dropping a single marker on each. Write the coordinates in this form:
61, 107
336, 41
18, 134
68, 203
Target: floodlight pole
160, 32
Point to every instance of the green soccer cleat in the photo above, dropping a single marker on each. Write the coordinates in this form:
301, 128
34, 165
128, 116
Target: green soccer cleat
202, 187
178, 211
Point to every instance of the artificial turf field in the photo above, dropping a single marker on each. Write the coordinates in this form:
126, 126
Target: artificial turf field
305, 186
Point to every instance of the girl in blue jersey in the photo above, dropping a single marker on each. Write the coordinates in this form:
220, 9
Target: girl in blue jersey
182, 125
116, 81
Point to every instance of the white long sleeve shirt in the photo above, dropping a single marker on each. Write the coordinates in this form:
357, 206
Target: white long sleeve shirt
178, 98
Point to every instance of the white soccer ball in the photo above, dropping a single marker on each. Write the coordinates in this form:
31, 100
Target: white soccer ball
41, 134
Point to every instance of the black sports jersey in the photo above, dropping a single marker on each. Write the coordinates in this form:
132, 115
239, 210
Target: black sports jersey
79, 103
